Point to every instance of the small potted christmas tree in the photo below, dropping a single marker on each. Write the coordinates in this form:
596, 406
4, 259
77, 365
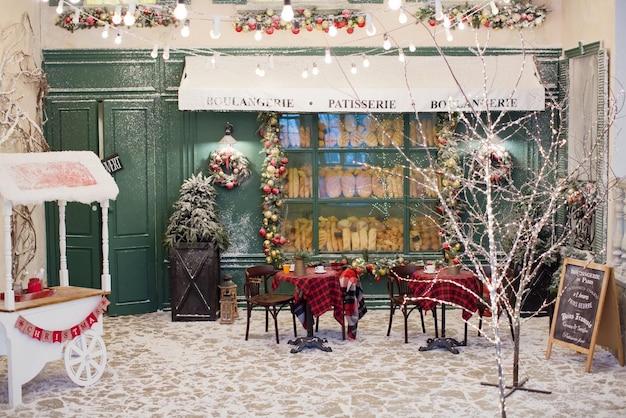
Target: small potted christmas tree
195, 236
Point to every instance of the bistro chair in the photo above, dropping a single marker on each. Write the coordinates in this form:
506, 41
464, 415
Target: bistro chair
257, 291
484, 302
398, 289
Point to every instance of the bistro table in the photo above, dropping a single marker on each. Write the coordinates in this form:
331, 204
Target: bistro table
316, 293
443, 287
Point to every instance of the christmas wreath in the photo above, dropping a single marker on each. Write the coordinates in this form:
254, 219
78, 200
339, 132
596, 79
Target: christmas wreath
228, 167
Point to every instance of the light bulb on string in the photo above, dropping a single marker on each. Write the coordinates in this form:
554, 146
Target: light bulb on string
74, 1
402, 18
44, 1
332, 29
259, 71
129, 17
105, 31
327, 57
386, 42
166, 52
215, 32
412, 46
76, 17
117, 15
460, 24
258, 35
287, 13
366, 61
449, 36
185, 31
315, 70
118, 38
214, 60
394, 4
401, 56
438, 10
353, 69
180, 12
59, 8
494, 8
270, 61
305, 73
370, 29
155, 51
446, 22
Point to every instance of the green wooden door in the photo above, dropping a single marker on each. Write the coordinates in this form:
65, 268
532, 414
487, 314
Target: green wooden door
73, 126
129, 130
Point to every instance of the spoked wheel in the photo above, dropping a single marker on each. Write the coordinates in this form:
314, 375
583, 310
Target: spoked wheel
85, 358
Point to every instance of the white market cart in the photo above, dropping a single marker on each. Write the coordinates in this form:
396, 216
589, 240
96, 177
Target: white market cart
67, 319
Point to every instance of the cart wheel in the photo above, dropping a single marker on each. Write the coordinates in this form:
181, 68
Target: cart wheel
85, 358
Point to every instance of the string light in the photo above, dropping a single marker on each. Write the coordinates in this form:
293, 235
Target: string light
305, 73
327, 57
401, 56
315, 70
270, 61
370, 29
494, 8
180, 12
155, 51
129, 17
366, 61
353, 68
118, 38
438, 10
258, 35
105, 31
215, 32
332, 29
259, 71
446, 22
412, 46
214, 60
59, 8
76, 17
386, 42
74, 1
449, 36
117, 15
460, 23
394, 4
287, 14
166, 52
402, 18
185, 31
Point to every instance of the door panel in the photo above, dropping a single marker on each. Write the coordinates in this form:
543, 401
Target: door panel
74, 127
129, 131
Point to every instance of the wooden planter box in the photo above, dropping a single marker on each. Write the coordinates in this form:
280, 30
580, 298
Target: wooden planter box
194, 280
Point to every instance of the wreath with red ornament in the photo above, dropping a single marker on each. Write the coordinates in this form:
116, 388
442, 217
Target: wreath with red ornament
228, 167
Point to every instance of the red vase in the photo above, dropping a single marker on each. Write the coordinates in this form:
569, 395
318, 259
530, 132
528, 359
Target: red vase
34, 285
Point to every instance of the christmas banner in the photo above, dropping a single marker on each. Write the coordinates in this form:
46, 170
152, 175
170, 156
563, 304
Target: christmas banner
60, 336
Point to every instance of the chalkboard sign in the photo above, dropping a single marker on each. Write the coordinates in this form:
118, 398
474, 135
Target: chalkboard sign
586, 311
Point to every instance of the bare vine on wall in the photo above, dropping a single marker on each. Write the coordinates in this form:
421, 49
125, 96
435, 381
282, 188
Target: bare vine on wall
21, 123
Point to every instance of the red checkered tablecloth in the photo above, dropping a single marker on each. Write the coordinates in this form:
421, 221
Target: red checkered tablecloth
460, 290
321, 291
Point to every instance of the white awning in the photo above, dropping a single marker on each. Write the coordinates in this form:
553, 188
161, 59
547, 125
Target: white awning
421, 84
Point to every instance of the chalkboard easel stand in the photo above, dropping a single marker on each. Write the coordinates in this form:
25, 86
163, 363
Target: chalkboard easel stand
586, 312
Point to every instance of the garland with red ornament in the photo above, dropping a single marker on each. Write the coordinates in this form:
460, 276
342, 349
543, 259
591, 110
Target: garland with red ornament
273, 176
307, 19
